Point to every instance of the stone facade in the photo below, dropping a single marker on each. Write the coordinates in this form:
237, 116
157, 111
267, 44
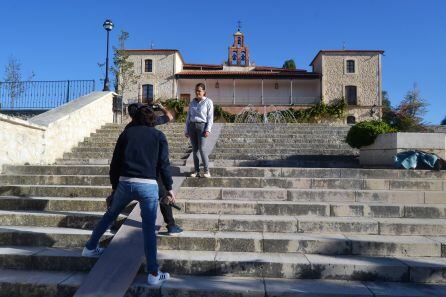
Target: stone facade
366, 78
165, 63
242, 85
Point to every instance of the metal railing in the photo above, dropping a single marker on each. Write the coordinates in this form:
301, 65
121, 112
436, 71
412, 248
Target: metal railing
28, 95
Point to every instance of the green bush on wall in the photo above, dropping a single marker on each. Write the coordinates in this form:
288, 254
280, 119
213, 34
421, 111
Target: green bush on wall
316, 113
364, 133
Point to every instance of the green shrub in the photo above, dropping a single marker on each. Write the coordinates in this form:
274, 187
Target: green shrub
321, 111
365, 133
219, 113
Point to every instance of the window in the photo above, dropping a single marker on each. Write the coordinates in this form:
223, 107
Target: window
147, 92
239, 42
351, 120
350, 67
148, 65
351, 95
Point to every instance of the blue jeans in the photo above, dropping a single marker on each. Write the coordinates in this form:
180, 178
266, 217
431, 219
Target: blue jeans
147, 196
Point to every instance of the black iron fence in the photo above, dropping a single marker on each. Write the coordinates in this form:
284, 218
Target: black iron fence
42, 94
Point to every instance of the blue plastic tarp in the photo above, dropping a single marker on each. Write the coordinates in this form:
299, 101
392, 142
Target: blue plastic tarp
414, 159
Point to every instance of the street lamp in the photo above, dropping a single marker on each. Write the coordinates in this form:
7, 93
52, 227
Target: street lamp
108, 26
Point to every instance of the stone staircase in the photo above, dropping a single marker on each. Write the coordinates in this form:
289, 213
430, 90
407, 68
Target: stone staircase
284, 145
98, 148
249, 231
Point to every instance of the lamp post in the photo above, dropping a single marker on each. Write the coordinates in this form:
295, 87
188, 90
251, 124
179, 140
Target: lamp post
108, 26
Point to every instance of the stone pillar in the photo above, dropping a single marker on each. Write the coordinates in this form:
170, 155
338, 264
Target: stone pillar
233, 91
262, 91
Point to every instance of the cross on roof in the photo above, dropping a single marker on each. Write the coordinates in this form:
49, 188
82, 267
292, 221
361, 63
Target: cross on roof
239, 25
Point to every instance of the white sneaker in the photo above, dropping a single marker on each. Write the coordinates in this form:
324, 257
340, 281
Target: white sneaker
92, 253
154, 280
195, 174
207, 174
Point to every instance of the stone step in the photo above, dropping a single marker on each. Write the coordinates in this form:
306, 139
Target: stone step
53, 203
57, 169
303, 154
109, 150
278, 265
315, 183
253, 194
99, 134
312, 224
55, 191
372, 210
15, 283
96, 161
113, 138
279, 141
304, 162
314, 195
307, 243
273, 150
104, 154
93, 145
355, 173
244, 182
291, 146
260, 242
267, 134
47, 236
68, 219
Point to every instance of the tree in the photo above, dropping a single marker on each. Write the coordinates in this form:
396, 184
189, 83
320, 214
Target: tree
443, 122
289, 64
123, 69
15, 86
410, 112
388, 114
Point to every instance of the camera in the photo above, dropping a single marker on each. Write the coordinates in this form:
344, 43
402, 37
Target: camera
154, 107
166, 201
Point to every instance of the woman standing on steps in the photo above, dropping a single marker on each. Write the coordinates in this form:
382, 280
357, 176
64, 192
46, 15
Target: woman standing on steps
199, 120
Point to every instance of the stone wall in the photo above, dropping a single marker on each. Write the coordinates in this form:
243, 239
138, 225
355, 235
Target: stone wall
366, 79
44, 138
22, 142
162, 76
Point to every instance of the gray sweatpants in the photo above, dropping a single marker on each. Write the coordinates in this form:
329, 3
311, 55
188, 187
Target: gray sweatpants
198, 141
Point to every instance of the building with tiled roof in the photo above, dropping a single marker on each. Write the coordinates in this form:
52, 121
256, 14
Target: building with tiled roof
351, 74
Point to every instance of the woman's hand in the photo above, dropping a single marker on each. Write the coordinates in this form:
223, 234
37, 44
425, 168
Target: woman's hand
206, 133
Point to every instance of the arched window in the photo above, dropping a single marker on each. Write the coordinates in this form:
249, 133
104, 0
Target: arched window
147, 92
239, 42
350, 66
148, 65
351, 95
234, 57
351, 120
243, 58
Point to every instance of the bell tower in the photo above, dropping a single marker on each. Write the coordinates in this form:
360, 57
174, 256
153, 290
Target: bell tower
238, 53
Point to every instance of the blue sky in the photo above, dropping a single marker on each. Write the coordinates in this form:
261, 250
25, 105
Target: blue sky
61, 40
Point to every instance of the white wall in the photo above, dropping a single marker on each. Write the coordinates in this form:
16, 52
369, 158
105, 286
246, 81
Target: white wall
249, 91
44, 138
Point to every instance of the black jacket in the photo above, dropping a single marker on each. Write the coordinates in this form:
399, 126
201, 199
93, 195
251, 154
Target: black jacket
141, 151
